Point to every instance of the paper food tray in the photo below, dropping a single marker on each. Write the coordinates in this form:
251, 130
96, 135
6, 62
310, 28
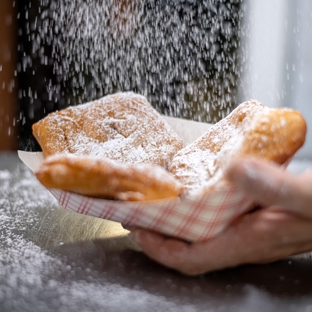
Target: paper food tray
191, 220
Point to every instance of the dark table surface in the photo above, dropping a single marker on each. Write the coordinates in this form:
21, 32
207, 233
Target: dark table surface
55, 260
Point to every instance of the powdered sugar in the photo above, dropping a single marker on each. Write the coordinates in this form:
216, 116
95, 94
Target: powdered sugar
122, 126
201, 164
36, 276
5, 175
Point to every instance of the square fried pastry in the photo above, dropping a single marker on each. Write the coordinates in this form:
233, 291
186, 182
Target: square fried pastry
106, 178
122, 126
113, 148
250, 130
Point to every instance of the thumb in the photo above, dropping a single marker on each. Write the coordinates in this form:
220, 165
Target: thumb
270, 185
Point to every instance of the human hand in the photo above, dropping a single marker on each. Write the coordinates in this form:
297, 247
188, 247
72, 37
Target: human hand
283, 227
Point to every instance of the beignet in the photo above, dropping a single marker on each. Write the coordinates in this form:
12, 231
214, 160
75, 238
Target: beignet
106, 178
251, 129
122, 126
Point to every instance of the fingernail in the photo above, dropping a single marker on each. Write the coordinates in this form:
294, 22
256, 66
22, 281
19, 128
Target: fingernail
135, 235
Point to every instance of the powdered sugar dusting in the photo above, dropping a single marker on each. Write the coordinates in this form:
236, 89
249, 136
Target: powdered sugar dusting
122, 126
21, 198
35, 279
201, 164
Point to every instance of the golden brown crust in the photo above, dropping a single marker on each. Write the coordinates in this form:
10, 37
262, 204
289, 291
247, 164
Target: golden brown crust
105, 178
276, 135
109, 148
122, 126
251, 129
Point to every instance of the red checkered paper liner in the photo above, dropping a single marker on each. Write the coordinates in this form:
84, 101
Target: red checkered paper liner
191, 220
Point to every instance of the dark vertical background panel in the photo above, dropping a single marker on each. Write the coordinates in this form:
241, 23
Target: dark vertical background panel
8, 81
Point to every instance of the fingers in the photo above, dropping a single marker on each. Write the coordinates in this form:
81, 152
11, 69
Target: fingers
260, 237
269, 184
172, 253
223, 251
265, 235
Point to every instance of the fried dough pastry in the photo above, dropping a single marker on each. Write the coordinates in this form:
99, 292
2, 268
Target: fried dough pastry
106, 178
122, 126
251, 129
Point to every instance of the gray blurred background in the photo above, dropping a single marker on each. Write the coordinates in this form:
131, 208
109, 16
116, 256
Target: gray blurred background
278, 69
